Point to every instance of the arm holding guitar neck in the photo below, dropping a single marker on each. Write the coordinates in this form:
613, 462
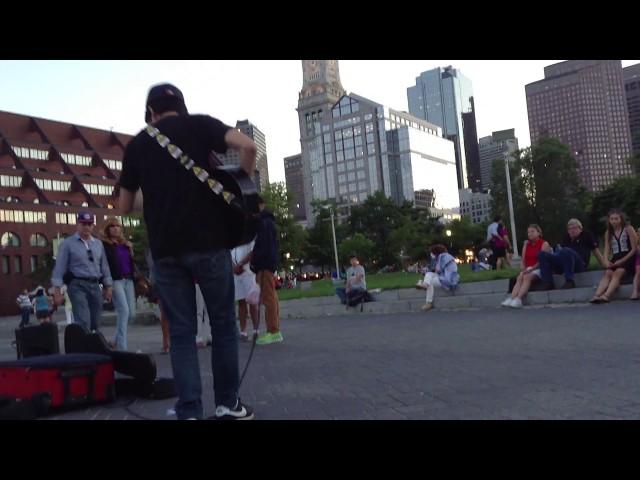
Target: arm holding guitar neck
238, 140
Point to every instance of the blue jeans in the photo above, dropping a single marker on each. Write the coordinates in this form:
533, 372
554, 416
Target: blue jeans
26, 313
174, 277
86, 299
565, 260
124, 302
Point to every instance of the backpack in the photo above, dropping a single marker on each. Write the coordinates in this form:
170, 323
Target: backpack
42, 304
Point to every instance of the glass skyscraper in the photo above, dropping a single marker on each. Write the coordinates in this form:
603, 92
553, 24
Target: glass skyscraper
440, 96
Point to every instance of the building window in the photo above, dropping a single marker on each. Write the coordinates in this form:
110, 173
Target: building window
73, 159
20, 216
34, 263
17, 264
96, 189
53, 185
10, 181
113, 164
5, 265
10, 239
38, 240
30, 153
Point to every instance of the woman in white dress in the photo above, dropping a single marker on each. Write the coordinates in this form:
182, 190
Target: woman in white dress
244, 280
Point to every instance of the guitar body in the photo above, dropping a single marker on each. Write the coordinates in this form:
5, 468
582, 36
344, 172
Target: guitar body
242, 213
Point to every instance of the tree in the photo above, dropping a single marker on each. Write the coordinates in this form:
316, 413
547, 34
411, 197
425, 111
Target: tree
545, 187
320, 238
624, 193
292, 236
378, 217
358, 245
466, 235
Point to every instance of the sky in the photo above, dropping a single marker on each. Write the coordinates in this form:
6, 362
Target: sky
111, 94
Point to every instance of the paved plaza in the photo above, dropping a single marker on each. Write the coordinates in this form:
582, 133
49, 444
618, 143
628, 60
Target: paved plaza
553, 362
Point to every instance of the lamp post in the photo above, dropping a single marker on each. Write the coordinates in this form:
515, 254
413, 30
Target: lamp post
511, 217
335, 246
448, 233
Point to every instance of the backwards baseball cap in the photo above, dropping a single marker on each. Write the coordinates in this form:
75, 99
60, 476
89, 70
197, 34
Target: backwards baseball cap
85, 217
162, 92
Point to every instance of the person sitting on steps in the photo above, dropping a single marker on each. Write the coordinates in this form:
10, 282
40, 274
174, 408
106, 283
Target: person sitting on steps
621, 242
445, 274
572, 257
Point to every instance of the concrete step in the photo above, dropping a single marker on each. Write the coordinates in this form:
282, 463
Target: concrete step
587, 279
487, 300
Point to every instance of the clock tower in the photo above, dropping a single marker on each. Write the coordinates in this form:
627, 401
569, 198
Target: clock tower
321, 89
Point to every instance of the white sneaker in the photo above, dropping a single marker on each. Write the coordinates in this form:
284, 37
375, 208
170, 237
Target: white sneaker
516, 303
507, 302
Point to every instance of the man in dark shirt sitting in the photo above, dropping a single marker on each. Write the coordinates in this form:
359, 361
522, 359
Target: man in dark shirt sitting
577, 246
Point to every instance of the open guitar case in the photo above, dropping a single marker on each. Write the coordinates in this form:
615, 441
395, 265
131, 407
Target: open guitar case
138, 369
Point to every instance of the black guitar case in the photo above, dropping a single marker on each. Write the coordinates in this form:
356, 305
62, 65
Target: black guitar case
140, 366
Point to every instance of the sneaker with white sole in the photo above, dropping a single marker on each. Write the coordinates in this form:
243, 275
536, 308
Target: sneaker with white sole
507, 302
240, 412
516, 303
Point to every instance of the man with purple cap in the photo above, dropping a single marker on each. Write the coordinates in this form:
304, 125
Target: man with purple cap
186, 223
82, 265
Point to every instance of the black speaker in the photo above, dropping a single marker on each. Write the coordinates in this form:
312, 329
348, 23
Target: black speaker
37, 340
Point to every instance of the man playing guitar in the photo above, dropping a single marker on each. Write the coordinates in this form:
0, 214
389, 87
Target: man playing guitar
189, 229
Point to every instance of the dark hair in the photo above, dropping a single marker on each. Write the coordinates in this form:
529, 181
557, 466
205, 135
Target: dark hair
623, 217
40, 292
166, 104
497, 218
438, 249
260, 200
353, 255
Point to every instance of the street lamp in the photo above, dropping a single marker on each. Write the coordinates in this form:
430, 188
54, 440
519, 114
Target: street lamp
513, 222
335, 246
448, 233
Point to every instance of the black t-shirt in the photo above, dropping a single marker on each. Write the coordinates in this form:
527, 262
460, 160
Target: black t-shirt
584, 244
181, 213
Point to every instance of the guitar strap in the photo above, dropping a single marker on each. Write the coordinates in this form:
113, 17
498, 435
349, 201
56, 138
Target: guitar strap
200, 173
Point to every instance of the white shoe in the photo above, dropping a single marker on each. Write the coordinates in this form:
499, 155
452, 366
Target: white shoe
507, 302
516, 303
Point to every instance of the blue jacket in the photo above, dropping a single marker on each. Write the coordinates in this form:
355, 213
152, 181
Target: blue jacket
266, 248
447, 271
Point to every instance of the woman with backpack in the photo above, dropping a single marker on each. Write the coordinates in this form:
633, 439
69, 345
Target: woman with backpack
42, 306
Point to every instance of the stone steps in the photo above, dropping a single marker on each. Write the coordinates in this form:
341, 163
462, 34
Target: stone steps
472, 295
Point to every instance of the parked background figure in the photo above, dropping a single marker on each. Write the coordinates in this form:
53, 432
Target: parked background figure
24, 302
152, 296
494, 240
244, 280
621, 243
505, 261
119, 253
264, 262
636, 277
445, 274
529, 268
42, 306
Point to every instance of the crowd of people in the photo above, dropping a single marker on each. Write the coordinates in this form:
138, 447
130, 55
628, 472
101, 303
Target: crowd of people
198, 277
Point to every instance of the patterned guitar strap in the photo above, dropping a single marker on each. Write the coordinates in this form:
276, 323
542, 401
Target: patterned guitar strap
190, 165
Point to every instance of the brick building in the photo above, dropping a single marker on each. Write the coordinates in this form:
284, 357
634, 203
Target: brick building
48, 172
